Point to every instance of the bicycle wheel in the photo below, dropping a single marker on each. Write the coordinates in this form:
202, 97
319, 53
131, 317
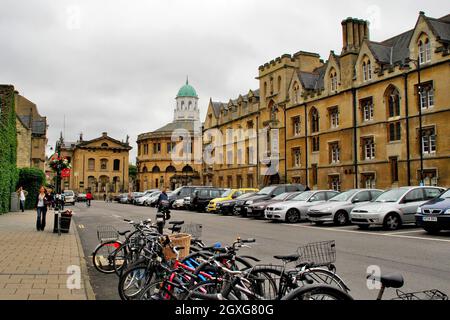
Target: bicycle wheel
269, 282
317, 292
133, 281
102, 256
160, 290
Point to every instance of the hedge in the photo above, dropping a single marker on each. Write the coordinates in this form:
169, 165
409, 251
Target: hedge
8, 147
31, 179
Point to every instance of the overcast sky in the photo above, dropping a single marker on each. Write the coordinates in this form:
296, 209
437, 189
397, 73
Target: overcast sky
116, 66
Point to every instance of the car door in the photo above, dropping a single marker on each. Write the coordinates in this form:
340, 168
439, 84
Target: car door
410, 202
361, 198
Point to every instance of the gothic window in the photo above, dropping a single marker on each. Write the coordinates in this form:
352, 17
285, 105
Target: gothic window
367, 69
424, 51
368, 148
428, 140
333, 80
335, 153
426, 95
296, 125
393, 100
314, 120
296, 157
334, 117
367, 109
395, 131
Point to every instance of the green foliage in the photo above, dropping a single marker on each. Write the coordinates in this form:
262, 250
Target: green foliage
8, 146
31, 179
132, 171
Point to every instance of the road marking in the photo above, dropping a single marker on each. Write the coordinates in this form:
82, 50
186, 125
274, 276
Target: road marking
403, 232
393, 235
81, 226
117, 216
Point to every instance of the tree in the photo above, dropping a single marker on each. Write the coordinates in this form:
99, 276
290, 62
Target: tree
132, 174
31, 179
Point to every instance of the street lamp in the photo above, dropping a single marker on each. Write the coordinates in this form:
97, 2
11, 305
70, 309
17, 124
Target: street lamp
419, 90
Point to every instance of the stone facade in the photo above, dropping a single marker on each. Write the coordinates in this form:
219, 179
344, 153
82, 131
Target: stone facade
350, 121
32, 134
99, 165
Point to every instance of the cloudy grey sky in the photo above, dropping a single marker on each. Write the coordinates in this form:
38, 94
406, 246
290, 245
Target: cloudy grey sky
116, 65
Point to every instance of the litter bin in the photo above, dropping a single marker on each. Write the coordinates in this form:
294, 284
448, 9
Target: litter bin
66, 218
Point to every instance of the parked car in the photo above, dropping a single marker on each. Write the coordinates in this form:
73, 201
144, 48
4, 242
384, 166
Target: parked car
123, 198
81, 197
229, 195
337, 210
266, 194
69, 197
141, 201
119, 196
201, 197
257, 210
394, 208
181, 193
227, 207
135, 196
296, 209
434, 215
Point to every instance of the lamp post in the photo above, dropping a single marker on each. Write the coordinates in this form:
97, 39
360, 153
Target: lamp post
419, 90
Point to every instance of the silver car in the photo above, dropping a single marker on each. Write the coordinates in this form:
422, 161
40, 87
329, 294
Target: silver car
394, 207
294, 210
337, 210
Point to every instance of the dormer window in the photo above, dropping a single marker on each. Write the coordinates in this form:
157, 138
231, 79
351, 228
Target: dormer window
333, 81
367, 70
424, 51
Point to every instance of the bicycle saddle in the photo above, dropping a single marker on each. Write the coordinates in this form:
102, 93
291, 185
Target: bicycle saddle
176, 223
290, 258
123, 233
393, 280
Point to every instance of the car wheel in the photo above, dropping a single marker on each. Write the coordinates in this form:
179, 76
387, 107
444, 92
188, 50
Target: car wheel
363, 226
341, 218
392, 221
292, 216
432, 230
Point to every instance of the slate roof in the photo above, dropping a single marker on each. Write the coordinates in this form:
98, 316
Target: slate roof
38, 126
313, 80
179, 124
441, 27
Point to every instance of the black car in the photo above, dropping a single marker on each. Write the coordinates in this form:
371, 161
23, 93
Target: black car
201, 197
265, 194
181, 193
226, 207
434, 215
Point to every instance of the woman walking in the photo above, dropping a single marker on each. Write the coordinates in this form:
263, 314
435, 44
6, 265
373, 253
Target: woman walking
42, 200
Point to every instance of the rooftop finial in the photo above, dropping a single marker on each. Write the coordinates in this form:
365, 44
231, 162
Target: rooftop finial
187, 79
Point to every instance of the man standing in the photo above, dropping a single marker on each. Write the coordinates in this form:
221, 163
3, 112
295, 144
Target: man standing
162, 197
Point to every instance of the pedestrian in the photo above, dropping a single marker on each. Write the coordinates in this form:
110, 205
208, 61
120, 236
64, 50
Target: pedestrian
89, 197
162, 197
104, 197
42, 202
22, 198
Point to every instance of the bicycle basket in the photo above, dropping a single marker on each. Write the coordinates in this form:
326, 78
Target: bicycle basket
433, 294
195, 230
107, 233
317, 254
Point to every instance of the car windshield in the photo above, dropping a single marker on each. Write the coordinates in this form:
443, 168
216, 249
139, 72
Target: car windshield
445, 195
281, 196
345, 196
68, 193
266, 191
177, 191
303, 196
391, 195
227, 193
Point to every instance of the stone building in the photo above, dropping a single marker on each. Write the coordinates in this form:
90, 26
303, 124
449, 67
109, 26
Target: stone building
350, 121
99, 165
31, 134
166, 157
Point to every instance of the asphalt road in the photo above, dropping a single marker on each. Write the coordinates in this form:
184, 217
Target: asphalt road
423, 260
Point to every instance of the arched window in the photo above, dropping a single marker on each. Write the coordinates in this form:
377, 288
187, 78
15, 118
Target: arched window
188, 169
105, 144
182, 105
392, 97
190, 105
265, 89
333, 80
427, 50
369, 70
156, 169
296, 89
145, 170
171, 169
314, 116
279, 84
364, 71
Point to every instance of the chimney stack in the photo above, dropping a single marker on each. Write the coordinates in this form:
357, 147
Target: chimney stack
354, 32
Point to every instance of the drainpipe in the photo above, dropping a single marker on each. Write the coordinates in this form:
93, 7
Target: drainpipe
408, 157
355, 138
285, 146
257, 152
306, 146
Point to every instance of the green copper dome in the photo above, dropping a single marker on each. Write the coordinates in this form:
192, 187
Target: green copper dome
187, 91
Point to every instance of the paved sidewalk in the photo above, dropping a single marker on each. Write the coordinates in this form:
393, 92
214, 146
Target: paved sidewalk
34, 265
